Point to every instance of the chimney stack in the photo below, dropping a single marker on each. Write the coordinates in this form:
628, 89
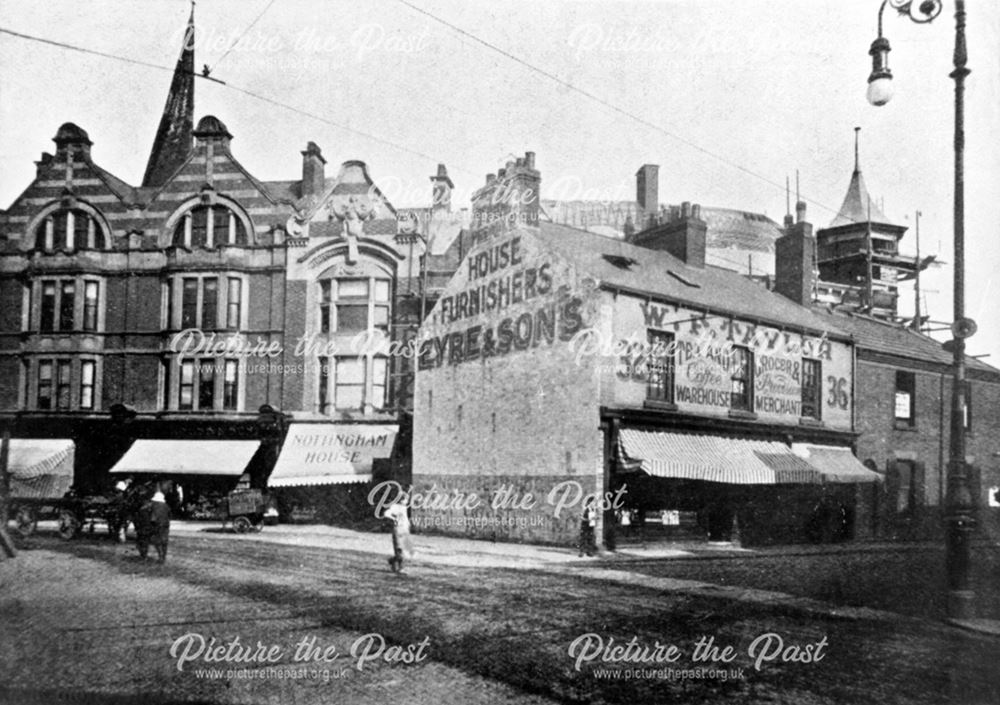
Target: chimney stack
647, 193
509, 199
682, 233
794, 256
313, 171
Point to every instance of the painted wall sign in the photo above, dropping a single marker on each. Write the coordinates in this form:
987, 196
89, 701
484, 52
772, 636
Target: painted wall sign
713, 364
500, 276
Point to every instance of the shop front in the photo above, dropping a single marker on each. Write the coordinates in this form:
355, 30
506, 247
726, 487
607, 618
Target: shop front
325, 470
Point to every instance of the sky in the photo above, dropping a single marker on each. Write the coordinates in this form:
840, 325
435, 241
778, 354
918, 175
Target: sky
730, 98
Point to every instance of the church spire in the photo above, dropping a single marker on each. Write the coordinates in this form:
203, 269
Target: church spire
173, 138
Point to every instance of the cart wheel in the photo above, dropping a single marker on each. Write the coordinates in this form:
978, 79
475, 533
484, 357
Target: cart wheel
69, 525
26, 521
242, 525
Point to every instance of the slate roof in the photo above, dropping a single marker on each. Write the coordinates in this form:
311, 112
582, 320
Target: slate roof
618, 264
855, 208
894, 339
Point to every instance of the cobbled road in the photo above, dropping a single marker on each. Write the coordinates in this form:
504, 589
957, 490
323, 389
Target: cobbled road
87, 619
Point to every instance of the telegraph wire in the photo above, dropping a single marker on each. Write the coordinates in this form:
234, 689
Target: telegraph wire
234, 87
597, 99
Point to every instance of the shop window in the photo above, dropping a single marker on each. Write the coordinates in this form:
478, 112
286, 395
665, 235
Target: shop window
741, 376
906, 383
354, 305
811, 388
209, 226
660, 367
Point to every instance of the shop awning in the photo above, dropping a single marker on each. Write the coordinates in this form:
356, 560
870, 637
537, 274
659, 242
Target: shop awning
331, 454
835, 464
187, 457
716, 459
40, 467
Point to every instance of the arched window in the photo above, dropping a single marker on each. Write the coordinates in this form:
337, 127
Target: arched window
70, 229
209, 226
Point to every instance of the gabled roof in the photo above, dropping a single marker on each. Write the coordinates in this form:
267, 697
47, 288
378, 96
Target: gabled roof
858, 206
616, 264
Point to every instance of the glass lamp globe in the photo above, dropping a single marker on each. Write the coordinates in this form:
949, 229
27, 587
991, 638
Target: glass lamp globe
880, 91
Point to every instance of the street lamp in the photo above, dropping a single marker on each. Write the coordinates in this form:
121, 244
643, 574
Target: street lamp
959, 505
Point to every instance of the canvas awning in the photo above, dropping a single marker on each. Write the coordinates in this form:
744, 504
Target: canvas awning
40, 467
716, 459
331, 454
835, 464
187, 457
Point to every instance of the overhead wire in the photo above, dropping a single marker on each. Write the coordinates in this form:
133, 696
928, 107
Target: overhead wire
598, 99
239, 89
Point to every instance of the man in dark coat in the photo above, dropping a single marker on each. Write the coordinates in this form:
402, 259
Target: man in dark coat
153, 527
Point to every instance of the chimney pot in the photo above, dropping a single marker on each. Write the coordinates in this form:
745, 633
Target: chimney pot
529, 160
490, 178
800, 212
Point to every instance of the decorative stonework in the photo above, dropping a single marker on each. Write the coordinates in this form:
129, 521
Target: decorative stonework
352, 214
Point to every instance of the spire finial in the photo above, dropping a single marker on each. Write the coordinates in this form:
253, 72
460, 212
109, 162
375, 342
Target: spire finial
857, 161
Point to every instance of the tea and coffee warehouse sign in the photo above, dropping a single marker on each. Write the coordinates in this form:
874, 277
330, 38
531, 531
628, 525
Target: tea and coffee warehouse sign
792, 375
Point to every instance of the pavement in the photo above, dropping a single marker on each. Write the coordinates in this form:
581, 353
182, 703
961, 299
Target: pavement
612, 567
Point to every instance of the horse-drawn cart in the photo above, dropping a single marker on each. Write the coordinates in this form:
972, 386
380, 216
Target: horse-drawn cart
73, 513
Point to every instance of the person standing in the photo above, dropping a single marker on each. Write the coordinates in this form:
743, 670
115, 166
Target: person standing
401, 542
158, 527
588, 521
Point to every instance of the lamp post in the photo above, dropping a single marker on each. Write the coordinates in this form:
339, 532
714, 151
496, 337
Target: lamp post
959, 506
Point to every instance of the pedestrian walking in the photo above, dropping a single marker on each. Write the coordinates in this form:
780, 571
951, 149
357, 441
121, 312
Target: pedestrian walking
401, 542
588, 521
153, 527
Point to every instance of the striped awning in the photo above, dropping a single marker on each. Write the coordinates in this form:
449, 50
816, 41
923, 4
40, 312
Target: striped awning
40, 468
715, 458
186, 457
835, 464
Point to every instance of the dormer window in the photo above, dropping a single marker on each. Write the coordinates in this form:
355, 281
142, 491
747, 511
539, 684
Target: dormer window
69, 229
210, 226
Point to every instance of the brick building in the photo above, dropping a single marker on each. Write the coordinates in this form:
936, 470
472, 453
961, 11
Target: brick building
208, 306
559, 363
903, 377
